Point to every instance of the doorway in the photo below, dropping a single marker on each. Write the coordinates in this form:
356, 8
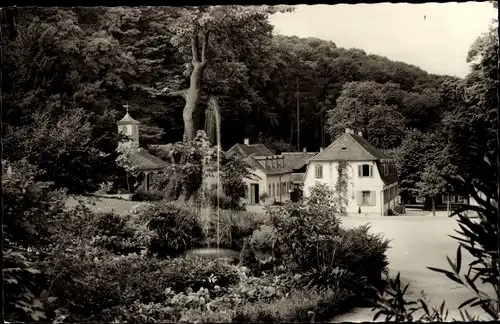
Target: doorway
254, 193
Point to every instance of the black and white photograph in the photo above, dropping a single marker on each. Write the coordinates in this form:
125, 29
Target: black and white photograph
250, 163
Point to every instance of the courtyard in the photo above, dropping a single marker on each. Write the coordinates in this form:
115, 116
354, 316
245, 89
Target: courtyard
418, 241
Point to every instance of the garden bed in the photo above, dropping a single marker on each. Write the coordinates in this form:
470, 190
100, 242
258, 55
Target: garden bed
109, 266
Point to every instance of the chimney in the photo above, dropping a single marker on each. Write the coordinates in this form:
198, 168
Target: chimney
304, 150
246, 141
360, 134
321, 149
347, 130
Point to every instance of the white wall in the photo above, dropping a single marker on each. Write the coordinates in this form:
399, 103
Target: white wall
260, 179
278, 194
264, 181
355, 184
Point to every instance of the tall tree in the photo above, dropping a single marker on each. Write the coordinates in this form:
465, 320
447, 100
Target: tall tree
202, 34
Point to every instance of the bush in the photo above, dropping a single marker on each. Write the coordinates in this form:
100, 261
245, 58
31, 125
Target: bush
310, 239
33, 207
112, 232
234, 226
94, 280
176, 226
299, 306
151, 195
362, 253
301, 228
247, 256
264, 240
225, 202
20, 288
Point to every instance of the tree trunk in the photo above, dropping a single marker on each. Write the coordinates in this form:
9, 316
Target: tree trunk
192, 102
433, 206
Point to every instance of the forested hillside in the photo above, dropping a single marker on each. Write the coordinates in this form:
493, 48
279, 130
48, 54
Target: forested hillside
69, 71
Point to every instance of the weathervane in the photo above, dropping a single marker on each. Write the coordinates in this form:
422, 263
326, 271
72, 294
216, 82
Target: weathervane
126, 106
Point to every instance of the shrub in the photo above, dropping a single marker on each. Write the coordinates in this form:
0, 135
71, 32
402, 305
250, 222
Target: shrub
264, 240
224, 202
311, 239
234, 226
300, 229
299, 306
362, 253
113, 232
176, 226
19, 287
198, 272
33, 207
247, 256
264, 197
151, 195
94, 280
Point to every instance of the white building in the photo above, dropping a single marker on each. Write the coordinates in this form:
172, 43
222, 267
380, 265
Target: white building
270, 174
372, 183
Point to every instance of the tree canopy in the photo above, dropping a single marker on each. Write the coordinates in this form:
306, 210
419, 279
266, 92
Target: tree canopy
69, 71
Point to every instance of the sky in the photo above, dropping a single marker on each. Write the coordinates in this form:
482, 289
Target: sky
438, 44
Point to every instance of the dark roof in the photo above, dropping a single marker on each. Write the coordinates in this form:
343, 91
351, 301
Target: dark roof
247, 150
144, 161
253, 160
296, 160
350, 147
389, 179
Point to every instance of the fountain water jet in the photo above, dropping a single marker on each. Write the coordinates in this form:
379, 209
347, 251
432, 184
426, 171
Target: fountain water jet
212, 125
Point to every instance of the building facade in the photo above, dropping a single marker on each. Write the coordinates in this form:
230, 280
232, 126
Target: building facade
368, 175
271, 178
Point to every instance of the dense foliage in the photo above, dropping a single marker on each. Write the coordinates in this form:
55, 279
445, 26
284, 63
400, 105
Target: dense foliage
69, 71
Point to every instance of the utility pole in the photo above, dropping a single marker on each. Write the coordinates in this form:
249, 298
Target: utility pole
298, 117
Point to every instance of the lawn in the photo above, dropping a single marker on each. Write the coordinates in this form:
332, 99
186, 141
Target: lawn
120, 206
417, 242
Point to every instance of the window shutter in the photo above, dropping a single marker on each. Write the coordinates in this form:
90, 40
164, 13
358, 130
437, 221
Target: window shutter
360, 171
373, 197
359, 198
371, 171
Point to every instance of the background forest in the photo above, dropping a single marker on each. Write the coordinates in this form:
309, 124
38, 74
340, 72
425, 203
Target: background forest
69, 71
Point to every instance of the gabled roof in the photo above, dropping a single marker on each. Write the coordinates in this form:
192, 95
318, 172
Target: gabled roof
296, 160
350, 147
253, 160
247, 150
144, 161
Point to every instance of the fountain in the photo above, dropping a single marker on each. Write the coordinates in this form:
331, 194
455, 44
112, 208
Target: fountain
212, 121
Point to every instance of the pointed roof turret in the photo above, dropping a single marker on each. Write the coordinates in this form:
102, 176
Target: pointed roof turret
127, 119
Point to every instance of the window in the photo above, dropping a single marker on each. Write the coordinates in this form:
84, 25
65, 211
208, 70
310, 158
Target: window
269, 191
274, 190
319, 171
366, 198
365, 171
